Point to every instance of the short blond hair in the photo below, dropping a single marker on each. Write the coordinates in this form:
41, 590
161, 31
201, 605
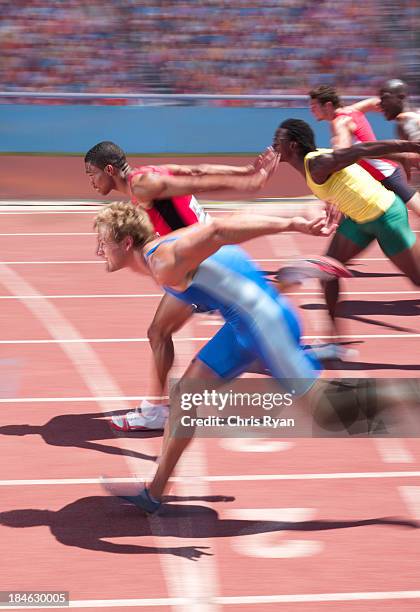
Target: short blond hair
124, 219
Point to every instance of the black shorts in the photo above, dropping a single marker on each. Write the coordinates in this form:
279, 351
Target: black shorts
398, 184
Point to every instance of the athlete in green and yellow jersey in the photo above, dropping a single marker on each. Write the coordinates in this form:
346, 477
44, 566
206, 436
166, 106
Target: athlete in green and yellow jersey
371, 212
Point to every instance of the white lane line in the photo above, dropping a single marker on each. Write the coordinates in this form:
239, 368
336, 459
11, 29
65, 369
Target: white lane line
255, 445
358, 293
317, 597
216, 478
181, 339
393, 450
213, 204
159, 295
77, 296
235, 600
119, 398
99, 382
47, 210
203, 584
349, 263
337, 476
362, 336
63, 341
410, 292
50, 234
64, 203
199, 581
16, 207
49, 262
96, 261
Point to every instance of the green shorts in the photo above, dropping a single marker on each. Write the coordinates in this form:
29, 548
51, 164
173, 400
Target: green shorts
391, 230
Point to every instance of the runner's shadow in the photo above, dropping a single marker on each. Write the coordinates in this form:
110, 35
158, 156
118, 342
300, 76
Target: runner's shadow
91, 522
337, 364
358, 310
395, 308
81, 431
360, 274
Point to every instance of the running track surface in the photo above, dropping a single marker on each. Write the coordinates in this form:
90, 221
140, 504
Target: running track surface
293, 525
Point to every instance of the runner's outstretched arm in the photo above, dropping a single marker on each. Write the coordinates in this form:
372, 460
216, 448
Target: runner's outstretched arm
174, 260
368, 105
151, 186
322, 166
221, 169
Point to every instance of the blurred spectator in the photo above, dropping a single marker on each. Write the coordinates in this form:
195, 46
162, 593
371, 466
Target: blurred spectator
212, 46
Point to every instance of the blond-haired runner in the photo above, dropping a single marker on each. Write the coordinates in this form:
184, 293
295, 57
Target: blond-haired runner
199, 265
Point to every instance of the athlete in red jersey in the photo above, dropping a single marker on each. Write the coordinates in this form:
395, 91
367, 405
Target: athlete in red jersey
161, 190
167, 214
350, 126
350, 121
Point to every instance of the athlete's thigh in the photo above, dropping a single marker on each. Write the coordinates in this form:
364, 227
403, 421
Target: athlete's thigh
198, 370
393, 230
276, 343
197, 379
171, 314
408, 261
226, 354
344, 248
399, 185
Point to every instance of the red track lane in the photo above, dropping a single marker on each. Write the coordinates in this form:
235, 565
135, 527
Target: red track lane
28, 221
79, 434
54, 555
82, 279
303, 536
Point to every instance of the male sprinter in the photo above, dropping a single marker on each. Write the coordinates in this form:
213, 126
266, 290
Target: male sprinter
371, 211
199, 265
107, 167
349, 125
393, 102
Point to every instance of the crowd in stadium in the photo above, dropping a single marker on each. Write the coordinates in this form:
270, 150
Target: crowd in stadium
211, 46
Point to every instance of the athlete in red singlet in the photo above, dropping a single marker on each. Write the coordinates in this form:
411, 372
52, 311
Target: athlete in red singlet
350, 126
161, 190
351, 119
168, 214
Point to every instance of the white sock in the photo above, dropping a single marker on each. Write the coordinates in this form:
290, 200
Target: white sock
150, 410
146, 404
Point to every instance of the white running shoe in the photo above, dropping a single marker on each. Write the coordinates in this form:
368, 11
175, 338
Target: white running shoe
148, 417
